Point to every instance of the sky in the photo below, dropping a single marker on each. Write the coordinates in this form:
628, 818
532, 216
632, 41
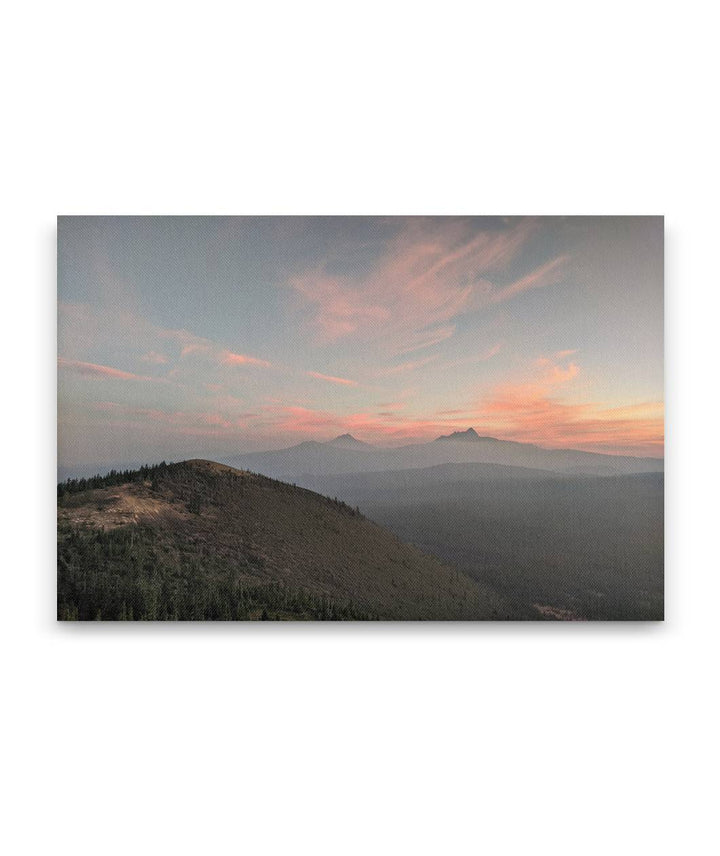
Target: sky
194, 336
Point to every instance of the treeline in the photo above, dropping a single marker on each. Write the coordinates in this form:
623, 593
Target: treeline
112, 479
127, 574
198, 487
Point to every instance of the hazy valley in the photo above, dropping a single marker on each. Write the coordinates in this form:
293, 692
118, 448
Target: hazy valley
464, 527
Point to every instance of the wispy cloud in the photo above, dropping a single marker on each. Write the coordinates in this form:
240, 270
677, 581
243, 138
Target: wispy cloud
491, 352
195, 348
209, 423
83, 328
424, 339
427, 276
228, 358
538, 278
94, 370
409, 366
343, 381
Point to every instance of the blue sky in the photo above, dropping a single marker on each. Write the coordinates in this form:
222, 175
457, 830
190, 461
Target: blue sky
202, 335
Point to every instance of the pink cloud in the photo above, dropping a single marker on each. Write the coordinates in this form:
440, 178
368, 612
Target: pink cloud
410, 366
228, 358
530, 415
535, 409
553, 373
382, 427
544, 275
191, 423
331, 379
94, 370
194, 348
540, 410
425, 339
427, 276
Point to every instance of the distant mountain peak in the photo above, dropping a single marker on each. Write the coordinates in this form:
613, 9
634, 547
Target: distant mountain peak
471, 434
306, 444
347, 441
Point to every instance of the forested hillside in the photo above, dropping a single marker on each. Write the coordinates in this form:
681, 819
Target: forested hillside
202, 541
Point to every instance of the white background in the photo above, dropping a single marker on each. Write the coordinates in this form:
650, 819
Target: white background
359, 739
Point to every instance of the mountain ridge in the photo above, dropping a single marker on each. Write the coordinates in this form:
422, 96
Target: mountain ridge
351, 456
470, 435
347, 441
201, 540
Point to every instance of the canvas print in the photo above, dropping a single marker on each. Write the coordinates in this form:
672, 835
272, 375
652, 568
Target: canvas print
360, 418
